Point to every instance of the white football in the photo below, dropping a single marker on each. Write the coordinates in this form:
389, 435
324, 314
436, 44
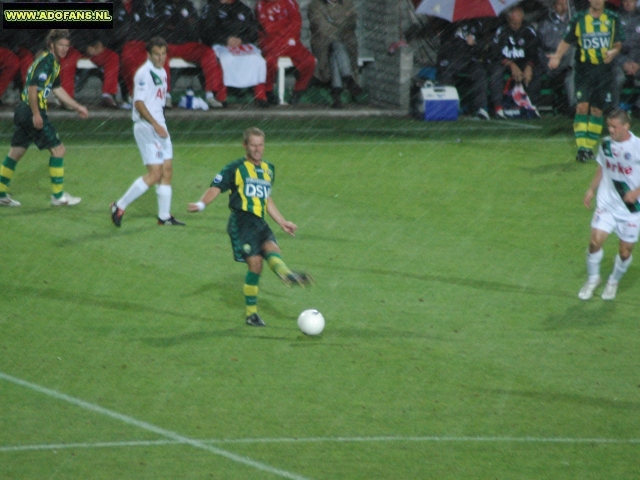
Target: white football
311, 322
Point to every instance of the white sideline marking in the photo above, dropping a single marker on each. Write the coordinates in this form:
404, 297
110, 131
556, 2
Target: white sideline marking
176, 437
294, 143
433, 439
61, 446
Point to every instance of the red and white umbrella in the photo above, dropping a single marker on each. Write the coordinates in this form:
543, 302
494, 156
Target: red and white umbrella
454, 10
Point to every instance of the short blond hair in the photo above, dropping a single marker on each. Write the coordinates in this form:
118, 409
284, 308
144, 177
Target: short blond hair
619, 114
252, 132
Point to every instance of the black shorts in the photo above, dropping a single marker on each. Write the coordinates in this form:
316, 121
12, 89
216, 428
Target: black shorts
594, 84
248, 234
24, 133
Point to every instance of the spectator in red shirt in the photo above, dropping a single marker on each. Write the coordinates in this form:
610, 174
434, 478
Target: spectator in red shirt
91, 43
9, 63
17, 46
279, 36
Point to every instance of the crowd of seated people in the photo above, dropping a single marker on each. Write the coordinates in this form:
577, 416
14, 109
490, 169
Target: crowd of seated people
232, 44
485, 62
238, 46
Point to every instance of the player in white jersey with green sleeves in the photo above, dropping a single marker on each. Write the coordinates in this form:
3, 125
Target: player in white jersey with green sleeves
617, 181
152, 136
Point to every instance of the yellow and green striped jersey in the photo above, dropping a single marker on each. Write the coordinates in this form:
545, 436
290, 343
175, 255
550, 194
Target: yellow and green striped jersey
249, 184
44, 73
594, 36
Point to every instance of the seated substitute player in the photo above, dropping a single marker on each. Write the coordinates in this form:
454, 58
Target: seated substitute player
152, 136
249, 181
617, 180
32, 124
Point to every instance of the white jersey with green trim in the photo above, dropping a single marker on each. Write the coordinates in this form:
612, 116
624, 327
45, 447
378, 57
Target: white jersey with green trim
620, 162
150, 87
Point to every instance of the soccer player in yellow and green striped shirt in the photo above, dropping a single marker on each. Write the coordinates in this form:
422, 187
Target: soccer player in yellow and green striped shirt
598, 33
249, 181
32, 125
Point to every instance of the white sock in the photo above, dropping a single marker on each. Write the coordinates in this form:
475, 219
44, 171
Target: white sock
164, 201
619, 268
593, 264
136, 189
208, 95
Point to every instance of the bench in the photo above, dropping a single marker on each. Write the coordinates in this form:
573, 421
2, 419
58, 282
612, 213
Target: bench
285, 62
87, 64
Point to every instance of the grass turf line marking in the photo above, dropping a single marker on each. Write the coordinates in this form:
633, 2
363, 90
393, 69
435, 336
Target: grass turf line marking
176, 437
62, 446
470, 127
426, 439
630, 441
294, 143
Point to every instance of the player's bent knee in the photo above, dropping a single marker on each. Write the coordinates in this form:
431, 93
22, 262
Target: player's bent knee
167, 173
16, 153
595, 245
254, 263
270, 247
58, 151
153, 177
625, 251
582, 108
596, 112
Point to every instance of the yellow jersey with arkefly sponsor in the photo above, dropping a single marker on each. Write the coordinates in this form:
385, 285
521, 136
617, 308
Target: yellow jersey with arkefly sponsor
43, 73
249, 185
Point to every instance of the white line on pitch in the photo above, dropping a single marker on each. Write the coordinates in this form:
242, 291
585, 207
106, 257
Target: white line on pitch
61, 446
294, 143
379, 439
471, 127
430, 439
176, 437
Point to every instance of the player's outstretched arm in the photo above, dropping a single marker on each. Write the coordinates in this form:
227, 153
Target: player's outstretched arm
613, 52
593, 187
274, 213
66, 100
207, 197
554, 58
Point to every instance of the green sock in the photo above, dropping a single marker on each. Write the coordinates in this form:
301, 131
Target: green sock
56, 172
250, 290
594, 129
275, 262
580, 127
7, 169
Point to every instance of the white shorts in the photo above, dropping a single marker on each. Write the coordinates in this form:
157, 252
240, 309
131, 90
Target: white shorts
626, 226
153, 149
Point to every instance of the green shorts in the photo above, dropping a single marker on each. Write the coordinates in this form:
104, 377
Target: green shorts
248, 234
594, 84
24, 133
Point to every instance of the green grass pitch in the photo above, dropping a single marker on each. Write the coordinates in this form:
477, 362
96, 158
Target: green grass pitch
447, 256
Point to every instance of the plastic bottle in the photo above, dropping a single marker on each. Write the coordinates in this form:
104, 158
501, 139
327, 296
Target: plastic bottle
189, 105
